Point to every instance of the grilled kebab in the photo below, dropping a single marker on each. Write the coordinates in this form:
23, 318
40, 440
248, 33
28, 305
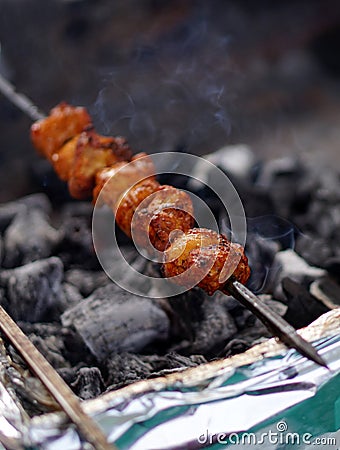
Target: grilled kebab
93, 164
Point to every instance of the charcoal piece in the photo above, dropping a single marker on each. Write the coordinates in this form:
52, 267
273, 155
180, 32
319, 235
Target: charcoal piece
112, 321
1, 250
68, 296
172, 362
235, 160
261, 253
3, 299
201, 323
68, 374
275, 168
48, 340
72, 295
315, 250
126, 368
234, 347
256, 200
239, 313
253, 330
288, 264
323, 215
306, 186
332, 265
216, 327
77, 209
281, 177
75, 350
34, 201
303, 308
7, 213
185, 310
329, 189
48, 348
327, 291
76, 248
28, 238
86, 281
32, 290
88, 383
328, 222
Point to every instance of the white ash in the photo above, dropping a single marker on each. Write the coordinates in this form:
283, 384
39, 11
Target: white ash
216, 326
303, 308
277, 306
10, 209
126, 368
88, 383
29, 237
315, 250
71, 296
50, 339
276, 167
34, 292
250, 328
289, 264
327, 291
75, 247
86, 281
235, 160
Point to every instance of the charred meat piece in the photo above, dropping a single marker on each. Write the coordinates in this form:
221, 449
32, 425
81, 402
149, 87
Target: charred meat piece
131, 200
63, 159
64, 122
93, 152
205, 258
113, 182
157, 217
166, 211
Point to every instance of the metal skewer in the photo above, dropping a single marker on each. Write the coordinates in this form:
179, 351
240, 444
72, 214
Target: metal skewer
20, 100
275, 323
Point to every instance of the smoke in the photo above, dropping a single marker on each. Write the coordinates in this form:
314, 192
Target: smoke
172, 91
105, 110
266, 236
273, 228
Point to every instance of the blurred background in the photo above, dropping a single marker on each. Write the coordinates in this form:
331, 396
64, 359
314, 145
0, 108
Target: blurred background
175, 75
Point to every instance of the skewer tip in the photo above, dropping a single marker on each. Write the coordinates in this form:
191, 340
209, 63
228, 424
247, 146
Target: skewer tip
275, 323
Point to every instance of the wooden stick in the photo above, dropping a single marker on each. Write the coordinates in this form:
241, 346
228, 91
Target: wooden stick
55, 385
